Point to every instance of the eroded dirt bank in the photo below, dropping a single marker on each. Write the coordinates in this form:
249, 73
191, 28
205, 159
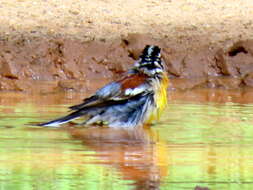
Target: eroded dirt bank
27, 63
48, 46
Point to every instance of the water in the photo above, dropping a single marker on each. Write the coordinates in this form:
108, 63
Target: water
204, 139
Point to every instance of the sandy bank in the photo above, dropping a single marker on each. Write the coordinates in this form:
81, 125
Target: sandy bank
75, 44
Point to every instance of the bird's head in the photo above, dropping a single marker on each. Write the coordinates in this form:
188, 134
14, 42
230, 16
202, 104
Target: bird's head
150, 61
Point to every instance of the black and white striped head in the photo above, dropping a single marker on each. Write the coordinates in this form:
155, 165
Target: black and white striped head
150, 61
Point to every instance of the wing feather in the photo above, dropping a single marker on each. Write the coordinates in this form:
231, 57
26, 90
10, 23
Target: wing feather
129, 86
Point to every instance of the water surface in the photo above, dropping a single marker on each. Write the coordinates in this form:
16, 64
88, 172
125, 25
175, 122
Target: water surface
204, 139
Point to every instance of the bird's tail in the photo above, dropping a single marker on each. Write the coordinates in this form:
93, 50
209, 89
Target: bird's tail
61, 120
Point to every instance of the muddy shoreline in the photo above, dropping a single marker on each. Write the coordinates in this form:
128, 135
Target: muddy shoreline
28, 63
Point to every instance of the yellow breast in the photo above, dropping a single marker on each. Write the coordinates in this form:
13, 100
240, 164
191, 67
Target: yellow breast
160, 99
161, 96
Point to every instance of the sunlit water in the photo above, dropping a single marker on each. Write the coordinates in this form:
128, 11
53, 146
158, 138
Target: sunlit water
205, 139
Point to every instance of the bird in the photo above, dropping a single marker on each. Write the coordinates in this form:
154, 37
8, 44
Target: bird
135, 99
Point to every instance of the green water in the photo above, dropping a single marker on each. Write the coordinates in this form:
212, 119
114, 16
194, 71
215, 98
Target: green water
196, 143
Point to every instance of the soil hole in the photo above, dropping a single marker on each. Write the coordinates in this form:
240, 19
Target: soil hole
236, 50
125, 42
131, 55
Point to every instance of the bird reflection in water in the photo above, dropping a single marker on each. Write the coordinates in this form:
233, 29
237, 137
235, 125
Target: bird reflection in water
135, 153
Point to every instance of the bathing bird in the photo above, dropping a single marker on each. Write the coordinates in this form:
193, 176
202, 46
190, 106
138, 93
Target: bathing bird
137, 98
